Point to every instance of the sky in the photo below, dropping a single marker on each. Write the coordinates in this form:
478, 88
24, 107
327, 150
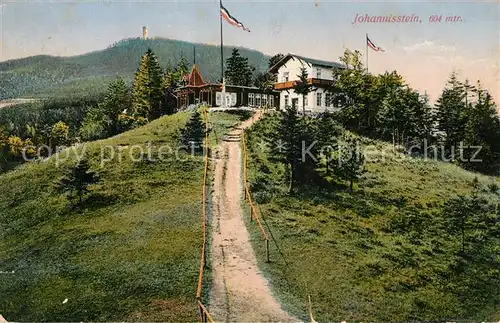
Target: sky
424, 52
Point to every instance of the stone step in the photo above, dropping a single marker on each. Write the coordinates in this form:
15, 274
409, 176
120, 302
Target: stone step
231, 140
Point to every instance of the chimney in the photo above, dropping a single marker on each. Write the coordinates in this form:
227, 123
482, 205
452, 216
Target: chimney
144, 32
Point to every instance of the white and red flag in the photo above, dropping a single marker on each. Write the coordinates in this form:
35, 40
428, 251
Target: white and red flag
230, 19
370, 44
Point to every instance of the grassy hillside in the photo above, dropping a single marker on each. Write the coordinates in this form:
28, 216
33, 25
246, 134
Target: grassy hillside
42, 75
133, 254
371, 255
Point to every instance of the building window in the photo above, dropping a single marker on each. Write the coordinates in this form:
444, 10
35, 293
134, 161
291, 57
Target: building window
251, 101
328, 99
257, 100
286, 101
306, 104
264, 100
318, 73
319, 99
286, 76
271, 100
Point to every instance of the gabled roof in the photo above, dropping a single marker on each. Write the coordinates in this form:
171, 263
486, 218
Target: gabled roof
309, 61
194, 78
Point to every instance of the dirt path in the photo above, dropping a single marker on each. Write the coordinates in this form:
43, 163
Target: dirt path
239, 291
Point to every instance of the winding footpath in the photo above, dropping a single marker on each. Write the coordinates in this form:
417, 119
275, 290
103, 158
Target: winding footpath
239, 291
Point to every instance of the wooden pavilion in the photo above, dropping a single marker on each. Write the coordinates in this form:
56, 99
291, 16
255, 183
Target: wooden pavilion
197, 91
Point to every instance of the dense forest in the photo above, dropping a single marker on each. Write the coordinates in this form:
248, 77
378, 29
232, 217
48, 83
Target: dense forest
39, 129
44, 76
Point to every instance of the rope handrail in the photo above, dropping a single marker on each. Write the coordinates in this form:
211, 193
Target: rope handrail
255, 214
203, 311
253, 210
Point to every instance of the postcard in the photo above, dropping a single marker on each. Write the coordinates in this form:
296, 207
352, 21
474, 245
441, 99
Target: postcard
249, 161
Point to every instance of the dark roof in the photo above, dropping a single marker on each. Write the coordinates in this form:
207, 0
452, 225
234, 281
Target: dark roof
311, 61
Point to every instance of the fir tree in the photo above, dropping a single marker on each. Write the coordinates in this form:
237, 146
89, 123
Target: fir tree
350, 161
193, 134
118, 100
181, 71
148, 88
303, 87
482, 129
328, 132
288, 143
275, 59
238, 70
104, 120
77, 182
172, 80
265, 80
450, 113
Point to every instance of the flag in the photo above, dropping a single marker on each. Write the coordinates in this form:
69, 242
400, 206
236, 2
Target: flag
233, 21
370, 44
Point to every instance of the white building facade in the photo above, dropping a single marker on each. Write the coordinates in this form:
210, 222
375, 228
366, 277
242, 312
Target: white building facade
320, 75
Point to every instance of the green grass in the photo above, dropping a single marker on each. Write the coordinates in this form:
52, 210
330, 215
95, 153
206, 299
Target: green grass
339, 247
132, 254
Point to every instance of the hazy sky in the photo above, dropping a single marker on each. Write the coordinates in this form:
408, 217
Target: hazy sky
424, 53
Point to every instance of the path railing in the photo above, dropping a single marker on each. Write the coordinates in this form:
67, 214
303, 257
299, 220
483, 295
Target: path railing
254, 214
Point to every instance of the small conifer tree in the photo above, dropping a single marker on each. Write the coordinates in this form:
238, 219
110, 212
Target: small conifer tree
77, 182
303, 87
350, 161
193, 133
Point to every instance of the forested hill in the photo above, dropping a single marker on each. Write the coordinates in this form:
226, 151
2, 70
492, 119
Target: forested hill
48, 75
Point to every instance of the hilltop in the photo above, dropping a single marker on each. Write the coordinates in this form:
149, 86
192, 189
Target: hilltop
50, 75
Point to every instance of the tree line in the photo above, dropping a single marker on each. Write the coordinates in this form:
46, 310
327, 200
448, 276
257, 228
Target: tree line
463, 126
55, 123
121, 107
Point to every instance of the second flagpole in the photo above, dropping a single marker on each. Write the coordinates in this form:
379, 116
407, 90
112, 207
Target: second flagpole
222, 58
366, 44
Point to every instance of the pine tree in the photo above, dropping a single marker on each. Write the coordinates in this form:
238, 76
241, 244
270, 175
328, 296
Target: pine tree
118, 100
181, 71
350, 161
451, 113
105, 120
148, 88
172, 80
303, 87
77, 182
328, 132
265, 80
482, 129
288, 143
238, 70
193, 134
275, 59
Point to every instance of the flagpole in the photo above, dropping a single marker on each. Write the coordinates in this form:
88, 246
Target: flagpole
366, 44
222, 58
221, 44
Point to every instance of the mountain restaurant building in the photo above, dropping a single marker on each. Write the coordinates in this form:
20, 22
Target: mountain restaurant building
321, 78
197, 91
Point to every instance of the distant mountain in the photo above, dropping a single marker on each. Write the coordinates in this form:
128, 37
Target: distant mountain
49, 75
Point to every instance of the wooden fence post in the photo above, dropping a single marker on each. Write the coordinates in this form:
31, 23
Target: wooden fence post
267, 250
203, 319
